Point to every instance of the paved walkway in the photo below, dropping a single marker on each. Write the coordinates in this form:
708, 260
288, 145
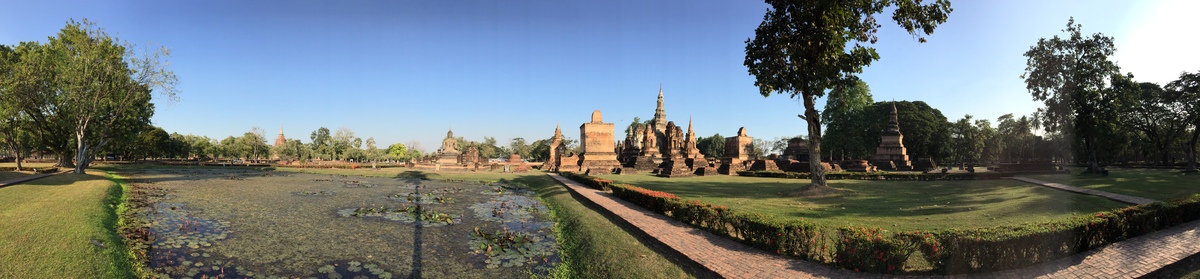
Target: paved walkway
24, 179
1112, 196
1127, 259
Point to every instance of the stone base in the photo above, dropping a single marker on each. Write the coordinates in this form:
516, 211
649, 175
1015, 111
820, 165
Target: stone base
675, 168
893, 165
860, 166
697, 165
448, 159
643, 163
768, 165
599, 167
568, 168
731, 166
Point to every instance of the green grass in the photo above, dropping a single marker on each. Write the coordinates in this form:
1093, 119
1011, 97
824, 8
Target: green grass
594, 246
1156, 184
892, 205
47, 227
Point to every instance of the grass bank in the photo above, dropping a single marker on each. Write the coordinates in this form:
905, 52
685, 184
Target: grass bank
1159, 184
594, 246
891, 205
50, 227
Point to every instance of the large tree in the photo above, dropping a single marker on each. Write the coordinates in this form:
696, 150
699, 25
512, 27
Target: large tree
1188, 89
1070, 76
803, 48
322, 143
85, 88
847, 122
1159, 116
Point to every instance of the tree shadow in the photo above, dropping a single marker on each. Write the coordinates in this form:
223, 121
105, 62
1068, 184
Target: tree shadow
415, 178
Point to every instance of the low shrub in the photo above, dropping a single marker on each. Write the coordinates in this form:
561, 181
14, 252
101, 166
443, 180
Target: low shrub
872, 249
895, 176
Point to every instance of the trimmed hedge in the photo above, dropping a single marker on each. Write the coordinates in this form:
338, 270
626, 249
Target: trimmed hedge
877, 175
947, 251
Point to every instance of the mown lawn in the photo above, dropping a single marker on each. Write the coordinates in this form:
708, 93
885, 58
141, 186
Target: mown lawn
47, 229
892, 205
1159, 184
594, 245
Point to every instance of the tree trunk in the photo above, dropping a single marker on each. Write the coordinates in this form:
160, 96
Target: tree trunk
1191, 150
19, 158
817, 172
64, 160
81, 157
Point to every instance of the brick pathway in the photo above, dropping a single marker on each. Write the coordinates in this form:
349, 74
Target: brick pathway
1127, 259
1086, 191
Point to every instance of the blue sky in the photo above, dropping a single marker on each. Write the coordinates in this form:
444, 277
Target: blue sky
404, 71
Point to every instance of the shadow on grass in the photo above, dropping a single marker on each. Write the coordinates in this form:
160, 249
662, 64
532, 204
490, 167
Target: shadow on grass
1158, 184
63, 179
941, 202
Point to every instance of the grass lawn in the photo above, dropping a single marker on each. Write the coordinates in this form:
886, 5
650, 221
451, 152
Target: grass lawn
892, 205
594, 245
47, 228
1159, 184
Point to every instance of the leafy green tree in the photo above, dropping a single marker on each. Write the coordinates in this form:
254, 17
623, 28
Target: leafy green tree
520, 147
988, 143
711, 147
803, 48
372, 153
539, 150
253, 144
84, 88
1159, 116
322, 143
397, 151
965, 144
1070, 76
848, 123
13, 133
1016, 138
489, 149
1188, 89
228, 148
343, 142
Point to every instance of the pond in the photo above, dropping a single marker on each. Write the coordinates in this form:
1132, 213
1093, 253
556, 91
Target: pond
235, 223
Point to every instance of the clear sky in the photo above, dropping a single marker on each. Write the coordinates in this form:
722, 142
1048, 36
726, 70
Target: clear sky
401, 71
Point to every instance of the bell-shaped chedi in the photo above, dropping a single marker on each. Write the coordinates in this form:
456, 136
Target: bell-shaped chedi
891, 154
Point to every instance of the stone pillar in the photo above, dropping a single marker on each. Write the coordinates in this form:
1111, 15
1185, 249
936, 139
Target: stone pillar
598, 146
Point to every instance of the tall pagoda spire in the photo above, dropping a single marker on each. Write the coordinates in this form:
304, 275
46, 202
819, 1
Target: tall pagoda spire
558, 131
660, 114
893, 121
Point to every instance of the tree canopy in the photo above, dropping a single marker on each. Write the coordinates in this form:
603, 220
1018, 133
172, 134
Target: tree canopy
1070, 76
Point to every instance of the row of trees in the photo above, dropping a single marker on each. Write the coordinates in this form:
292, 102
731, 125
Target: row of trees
1103, 116
80, 93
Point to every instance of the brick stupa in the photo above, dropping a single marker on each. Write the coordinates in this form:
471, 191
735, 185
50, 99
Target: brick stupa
891, 154
599, 154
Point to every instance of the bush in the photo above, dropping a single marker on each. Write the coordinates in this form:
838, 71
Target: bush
872, 249
902, 176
